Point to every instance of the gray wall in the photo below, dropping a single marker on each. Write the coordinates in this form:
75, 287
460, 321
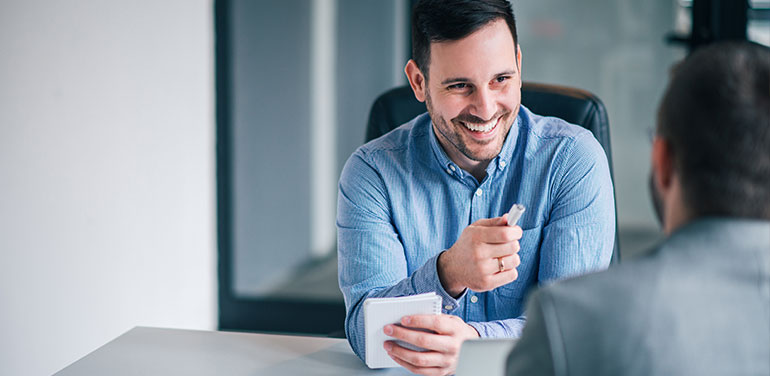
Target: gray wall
270, 140
106, 175
273, 91
372, 55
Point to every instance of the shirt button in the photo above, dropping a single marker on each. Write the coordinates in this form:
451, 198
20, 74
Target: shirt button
474, 299
448, 307
448, 171
479, 192
502, 163
451, 167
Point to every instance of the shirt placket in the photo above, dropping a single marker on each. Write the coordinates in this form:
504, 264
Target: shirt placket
475, 301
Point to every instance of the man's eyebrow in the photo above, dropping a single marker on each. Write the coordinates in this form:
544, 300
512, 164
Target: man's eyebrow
506, 73
455, 80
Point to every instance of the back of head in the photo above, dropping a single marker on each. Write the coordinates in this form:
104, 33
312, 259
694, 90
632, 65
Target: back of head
449, 20
716, 117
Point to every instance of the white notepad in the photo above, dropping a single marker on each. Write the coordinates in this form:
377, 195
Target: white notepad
379, 312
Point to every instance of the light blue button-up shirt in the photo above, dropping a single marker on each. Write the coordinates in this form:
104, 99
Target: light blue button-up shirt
402, 202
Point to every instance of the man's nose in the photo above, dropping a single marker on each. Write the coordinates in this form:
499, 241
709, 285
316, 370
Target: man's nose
484, 104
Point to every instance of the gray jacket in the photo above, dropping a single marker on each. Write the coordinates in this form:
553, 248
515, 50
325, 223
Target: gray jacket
699, 304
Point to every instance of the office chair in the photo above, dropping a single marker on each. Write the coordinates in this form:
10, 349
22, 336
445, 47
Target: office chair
398, 105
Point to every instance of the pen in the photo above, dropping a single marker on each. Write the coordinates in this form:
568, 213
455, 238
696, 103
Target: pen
513, 216
515, 213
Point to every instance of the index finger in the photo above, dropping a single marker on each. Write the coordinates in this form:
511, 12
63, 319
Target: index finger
499, 234
441, 324
496, 221
419, 338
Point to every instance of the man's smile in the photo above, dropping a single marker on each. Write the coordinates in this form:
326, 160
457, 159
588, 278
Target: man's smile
482, 127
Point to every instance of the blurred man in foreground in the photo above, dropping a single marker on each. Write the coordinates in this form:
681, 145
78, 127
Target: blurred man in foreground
699, 304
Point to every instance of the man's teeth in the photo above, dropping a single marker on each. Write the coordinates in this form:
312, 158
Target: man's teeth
485, 127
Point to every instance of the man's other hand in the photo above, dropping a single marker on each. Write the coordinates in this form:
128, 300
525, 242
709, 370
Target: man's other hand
442, 344
475, 260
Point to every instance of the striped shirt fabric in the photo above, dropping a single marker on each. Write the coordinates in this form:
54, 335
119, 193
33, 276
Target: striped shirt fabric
402, 201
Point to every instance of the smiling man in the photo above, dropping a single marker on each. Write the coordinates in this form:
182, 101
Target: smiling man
422, 209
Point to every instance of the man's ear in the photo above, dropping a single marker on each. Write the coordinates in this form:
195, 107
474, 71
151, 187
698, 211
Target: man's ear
518, 64
662, 164
416, 80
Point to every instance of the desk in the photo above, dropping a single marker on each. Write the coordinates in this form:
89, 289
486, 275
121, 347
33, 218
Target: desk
155, 351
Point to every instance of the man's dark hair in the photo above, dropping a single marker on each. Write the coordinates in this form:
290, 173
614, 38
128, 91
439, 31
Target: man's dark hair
715, 115
450, 20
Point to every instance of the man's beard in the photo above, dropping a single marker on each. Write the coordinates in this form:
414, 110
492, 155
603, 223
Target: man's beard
657, 201
446, 129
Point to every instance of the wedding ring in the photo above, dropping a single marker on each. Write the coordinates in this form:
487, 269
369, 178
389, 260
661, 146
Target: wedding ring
501, 264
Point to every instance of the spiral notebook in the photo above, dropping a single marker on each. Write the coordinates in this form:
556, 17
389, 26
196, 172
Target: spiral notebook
379, 312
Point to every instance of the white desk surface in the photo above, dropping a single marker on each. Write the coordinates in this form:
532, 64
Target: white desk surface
155, 351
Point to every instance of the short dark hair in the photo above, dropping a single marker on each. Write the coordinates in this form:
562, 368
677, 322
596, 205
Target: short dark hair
715, 115
449, 20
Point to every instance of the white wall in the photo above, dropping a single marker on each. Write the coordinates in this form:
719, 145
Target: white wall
107, 182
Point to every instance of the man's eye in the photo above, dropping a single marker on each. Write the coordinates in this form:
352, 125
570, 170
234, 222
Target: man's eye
502, 78
459, 86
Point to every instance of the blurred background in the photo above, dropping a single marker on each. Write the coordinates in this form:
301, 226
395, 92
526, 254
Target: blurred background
174, 163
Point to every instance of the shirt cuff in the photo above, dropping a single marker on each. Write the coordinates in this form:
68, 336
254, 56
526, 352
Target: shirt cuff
510, 328
426, 279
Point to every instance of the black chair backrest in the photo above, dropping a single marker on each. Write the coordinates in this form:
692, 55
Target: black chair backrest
397, 106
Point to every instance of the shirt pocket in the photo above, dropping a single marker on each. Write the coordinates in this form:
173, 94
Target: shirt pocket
528, 252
